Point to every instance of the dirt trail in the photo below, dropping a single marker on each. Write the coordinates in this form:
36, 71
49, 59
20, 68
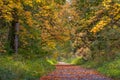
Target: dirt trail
70, 72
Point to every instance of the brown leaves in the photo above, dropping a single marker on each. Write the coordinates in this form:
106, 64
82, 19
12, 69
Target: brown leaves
70, 72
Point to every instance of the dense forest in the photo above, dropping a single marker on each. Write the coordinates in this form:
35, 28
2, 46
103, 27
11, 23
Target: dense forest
34, 34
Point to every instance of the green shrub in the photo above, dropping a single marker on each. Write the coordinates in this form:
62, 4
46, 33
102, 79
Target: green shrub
52, 61
108, 68
69, 60
6, 74
111, 69
23, 69
78, 61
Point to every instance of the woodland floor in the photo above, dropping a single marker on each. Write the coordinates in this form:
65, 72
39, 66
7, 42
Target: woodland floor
71, 72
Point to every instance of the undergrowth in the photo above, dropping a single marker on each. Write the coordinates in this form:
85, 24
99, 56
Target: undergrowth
18, 68
108, 68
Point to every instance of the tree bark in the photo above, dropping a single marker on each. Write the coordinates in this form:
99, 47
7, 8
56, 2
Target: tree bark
16, 37
13, 36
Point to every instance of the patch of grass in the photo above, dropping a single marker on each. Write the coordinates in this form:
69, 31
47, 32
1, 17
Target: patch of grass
52, 61
16, 68
108, 68
77, 61
111, 69
69, 60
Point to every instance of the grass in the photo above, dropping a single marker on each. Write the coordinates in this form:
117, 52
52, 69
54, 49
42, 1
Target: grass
18, 68
77, 61
52, 61
108, 68
111, 69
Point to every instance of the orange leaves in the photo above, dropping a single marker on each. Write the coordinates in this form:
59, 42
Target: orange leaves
72, 72
27, 14
113, 15
53, 28
101, 24
29, 19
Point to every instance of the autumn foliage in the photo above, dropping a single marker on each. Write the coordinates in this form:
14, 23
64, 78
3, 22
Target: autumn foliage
61, 29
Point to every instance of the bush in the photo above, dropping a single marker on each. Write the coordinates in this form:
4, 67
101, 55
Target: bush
23, 69
111, 69
6, 74
108, 68
52, 61
78, 61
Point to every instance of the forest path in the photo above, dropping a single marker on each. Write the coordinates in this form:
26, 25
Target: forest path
66, 71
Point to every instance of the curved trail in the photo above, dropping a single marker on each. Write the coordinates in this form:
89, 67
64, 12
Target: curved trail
71, 72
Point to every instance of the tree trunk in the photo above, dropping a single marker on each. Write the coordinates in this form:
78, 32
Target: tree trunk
16, 37
13, 36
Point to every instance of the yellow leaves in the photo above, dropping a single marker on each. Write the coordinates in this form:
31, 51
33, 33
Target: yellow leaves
1, 3
29, 2
113, 14
54, 19
118, 4
101, 24
115, 27
114, 10
29, 20
8, 10
38, 1
55, 55
7, 17
15, 5
51, 44
117, 17
46, 7
28, 14
5, 12
32, 36
12, 4
106, 3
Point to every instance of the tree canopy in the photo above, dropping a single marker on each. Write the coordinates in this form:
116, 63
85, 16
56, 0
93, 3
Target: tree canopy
59, 26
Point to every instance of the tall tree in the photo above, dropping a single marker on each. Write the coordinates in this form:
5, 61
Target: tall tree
96, 17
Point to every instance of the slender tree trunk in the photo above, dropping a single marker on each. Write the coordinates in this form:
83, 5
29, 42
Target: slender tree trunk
13, 36
16, 37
